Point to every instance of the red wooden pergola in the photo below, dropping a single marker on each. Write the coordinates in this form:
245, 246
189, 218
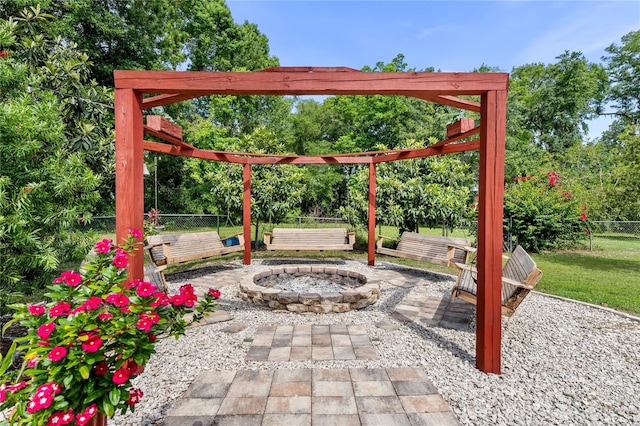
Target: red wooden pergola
167, 87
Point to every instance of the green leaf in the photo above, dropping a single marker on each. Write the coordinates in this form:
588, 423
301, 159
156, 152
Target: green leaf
84, 371
108, 408
114, 396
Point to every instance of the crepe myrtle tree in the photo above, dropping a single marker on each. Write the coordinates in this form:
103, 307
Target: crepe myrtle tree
430, 191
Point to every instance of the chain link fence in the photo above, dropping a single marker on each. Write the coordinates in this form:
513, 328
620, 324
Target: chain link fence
627, 229
602, 231
196, 222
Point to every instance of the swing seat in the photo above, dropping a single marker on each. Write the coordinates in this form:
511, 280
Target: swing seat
519, 276
427, 248
309, 239
179, 248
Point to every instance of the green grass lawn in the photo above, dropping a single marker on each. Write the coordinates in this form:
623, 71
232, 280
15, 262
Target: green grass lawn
606, 278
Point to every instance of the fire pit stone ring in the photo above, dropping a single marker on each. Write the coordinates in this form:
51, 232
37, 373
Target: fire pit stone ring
354, 290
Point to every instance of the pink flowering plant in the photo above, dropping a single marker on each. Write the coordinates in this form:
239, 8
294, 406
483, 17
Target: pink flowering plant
86, 344
543, 214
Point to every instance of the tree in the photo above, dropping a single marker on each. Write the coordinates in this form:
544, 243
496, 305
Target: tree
276, 190
623, 68
45, 187
550, 104
432, 191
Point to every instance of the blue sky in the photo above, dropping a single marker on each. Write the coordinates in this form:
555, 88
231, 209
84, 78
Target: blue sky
446, 35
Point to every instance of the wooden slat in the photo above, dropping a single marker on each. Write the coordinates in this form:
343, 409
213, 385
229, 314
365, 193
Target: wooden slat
166, 137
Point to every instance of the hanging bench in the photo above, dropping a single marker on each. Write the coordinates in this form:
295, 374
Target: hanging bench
179, 248
427, 248
519, 276
309, 239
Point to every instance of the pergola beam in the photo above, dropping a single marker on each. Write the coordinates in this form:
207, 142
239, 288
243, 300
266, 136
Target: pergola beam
414, 84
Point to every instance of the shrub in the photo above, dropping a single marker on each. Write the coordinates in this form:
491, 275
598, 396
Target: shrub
84, 346
541, 215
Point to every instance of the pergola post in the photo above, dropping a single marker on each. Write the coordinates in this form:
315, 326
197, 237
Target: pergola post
129, 172
246, 212
490, 215
371, 250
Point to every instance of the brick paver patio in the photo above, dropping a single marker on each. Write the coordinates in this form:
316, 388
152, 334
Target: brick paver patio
320, 396
323, 397
311, 342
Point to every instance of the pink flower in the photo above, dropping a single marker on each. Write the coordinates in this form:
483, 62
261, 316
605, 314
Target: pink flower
94, 302
152, 337
120, 261
36, 310
215, 293
144, 323
17, 386
132, 367
145, 289
103, 246
101, 368
92, 344
153, 316
553, 177
135, 233
177, 299
37, 404
61, 418
43, 397
120, 376
135, 395
134, 284
186, 289
83, 418
162, 299
117, 299
583, 216
45, 330
59, 309
105, 316
57, 353
71, 278
32, 362
190, 300
11, 388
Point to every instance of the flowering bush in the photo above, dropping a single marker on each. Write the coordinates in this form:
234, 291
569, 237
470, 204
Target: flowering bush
90, 340
543, 215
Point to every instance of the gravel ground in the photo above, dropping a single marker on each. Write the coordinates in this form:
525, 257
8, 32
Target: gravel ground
562, 362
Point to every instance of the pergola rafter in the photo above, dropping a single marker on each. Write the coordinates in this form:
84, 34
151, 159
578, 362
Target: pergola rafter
167, 87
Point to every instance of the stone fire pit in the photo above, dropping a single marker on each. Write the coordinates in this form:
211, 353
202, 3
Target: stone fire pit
327, 289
